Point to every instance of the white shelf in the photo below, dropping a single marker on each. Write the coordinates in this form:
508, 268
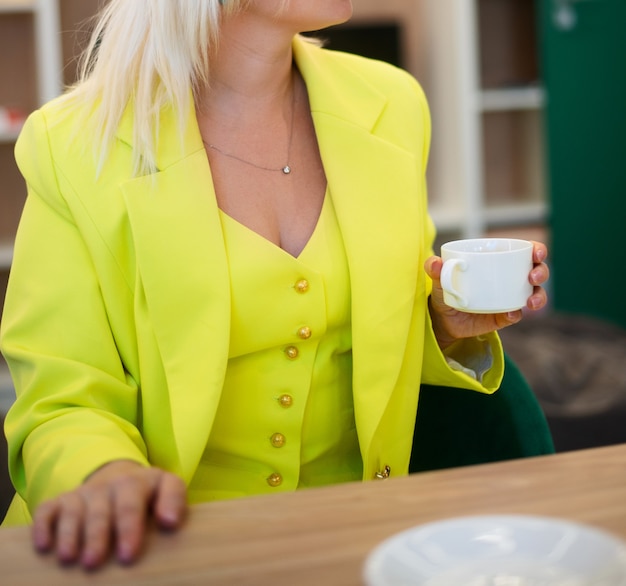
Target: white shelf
517, 213
17, 6
48, 48
451, 218
467, 173
509, 99
49, 65
9, 137
6, 256
446, 218
7, 391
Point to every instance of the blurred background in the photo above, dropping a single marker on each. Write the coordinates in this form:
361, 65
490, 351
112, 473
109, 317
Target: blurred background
528, 101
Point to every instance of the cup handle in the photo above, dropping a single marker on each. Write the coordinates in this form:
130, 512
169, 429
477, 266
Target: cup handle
446, 279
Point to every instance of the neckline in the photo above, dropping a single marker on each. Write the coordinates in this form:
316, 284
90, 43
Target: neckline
325, 203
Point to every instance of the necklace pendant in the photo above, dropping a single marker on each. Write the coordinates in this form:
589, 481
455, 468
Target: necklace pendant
286, 169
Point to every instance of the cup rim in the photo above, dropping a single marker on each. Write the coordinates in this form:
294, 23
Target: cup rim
451, 246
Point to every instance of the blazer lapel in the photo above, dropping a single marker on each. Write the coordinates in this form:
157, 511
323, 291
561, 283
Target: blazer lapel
380, 223
183, 271
382, 243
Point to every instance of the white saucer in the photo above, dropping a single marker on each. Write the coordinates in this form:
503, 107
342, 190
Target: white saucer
498, 551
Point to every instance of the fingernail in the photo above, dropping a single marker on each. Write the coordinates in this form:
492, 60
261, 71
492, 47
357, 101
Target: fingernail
89, 561
167, 520
41, 544
124, 553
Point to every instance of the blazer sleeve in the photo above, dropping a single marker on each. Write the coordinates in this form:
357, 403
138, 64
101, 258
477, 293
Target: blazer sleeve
437, 370
76, 406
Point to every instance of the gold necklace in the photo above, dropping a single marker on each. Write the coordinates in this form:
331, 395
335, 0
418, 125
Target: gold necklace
285, 169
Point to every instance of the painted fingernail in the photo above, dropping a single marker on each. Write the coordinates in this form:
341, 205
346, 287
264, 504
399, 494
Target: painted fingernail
90, 561
124, 553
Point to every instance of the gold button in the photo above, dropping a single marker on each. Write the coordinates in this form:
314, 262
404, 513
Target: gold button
304, 333
278, 440
384, 473
275, 480
285, 400
291, 352
302, 286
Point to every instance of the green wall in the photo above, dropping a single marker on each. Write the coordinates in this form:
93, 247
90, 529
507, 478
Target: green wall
584, 70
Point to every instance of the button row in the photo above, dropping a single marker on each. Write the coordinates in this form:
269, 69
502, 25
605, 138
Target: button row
292, 352
278, 440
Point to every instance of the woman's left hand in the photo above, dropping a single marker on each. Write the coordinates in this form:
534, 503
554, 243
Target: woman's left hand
451, 325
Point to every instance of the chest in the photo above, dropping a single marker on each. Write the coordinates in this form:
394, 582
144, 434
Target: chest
281, 207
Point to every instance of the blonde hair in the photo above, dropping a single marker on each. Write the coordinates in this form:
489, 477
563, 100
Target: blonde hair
150, 52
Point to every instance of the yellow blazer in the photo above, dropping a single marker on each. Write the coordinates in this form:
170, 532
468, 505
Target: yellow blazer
116, 323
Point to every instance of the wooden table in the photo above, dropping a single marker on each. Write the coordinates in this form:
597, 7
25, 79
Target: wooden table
322, 536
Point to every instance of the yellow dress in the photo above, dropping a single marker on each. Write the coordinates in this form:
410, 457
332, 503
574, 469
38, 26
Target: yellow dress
287, 396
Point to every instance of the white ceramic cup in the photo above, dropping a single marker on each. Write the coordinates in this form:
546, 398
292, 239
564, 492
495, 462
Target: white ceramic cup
487, 275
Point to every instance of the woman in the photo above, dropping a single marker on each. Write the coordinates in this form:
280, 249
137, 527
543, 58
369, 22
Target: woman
232, 295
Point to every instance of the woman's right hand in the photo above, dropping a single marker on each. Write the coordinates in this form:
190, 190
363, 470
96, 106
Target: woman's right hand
109, 512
